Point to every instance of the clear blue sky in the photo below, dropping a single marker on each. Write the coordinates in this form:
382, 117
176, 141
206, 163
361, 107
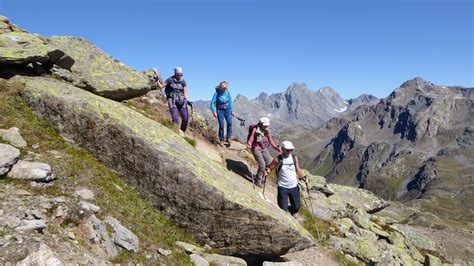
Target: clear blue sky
353, 46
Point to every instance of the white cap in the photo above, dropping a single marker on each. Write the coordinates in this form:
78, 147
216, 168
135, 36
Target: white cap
265, 121
287, 145
178, 70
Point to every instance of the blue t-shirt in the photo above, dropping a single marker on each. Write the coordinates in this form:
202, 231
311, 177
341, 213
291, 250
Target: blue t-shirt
221, 100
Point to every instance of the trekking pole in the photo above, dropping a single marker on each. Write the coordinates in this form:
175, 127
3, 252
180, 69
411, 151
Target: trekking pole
192, 114
264, 183
311, 206
241, 120
253, 181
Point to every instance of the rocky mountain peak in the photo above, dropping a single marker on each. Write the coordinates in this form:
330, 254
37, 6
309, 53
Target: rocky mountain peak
327, 91
262, 97
364, 98
240, 97
416, 82
298, 88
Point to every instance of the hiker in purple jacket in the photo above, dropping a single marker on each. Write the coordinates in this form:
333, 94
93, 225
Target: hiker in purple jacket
176, 92
259, 140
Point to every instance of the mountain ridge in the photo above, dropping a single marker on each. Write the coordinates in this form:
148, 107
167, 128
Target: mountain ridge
296, 107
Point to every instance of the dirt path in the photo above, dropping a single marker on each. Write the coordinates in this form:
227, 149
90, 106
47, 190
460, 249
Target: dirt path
241, 162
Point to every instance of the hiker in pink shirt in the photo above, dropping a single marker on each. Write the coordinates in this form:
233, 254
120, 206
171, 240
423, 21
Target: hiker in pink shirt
259, 140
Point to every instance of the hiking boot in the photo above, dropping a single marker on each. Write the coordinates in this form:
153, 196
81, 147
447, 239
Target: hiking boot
258, 182
221, 143
227, 141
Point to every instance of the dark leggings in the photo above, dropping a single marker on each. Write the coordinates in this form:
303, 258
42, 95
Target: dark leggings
293, 194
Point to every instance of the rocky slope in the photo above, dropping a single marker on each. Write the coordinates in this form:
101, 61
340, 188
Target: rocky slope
107, 182
414, 146
298, 108
198, 195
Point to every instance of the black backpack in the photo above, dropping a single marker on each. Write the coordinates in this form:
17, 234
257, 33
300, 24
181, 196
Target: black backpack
251, 127
176, 94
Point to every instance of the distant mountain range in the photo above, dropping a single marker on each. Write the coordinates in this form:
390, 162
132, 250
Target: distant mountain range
416, 146
298, 107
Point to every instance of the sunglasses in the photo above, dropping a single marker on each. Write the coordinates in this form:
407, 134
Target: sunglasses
179, 75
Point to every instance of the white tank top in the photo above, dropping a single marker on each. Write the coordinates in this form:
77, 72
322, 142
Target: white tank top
287, 175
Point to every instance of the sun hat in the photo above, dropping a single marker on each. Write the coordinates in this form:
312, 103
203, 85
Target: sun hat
265, 121
178, 70
287, 145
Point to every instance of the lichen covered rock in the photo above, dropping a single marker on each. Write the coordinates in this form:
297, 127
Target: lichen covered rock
219, 207
24, 48
99, 72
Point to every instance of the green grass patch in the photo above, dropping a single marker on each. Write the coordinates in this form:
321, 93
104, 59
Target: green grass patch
341, 259
191, 141
325, 229
315, 225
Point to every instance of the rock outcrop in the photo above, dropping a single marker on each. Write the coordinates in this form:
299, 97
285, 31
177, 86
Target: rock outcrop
42, 256
200, 195
13, 136
360, 234
99, 73
7, 26
121, 236
34, 171
69, 58
8, 157
24, 48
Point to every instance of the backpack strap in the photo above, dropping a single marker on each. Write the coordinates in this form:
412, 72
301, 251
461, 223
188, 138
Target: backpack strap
280, 164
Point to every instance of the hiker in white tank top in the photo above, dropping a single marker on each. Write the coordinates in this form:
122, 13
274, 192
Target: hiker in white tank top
287, 174
288, 170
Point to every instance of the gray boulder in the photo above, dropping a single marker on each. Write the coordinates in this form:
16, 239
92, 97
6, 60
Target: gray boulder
121, 236
13, 136
94, 231
198, 260
99, 72
31, 225
34, 171
431, 260
8, 157
289, 263
220, 260
85, 194
24, 48
189, 248
202, 196
329, 200
42, 256
89, 207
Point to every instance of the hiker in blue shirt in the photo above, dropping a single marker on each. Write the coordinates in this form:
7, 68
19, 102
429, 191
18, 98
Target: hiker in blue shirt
221, 107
